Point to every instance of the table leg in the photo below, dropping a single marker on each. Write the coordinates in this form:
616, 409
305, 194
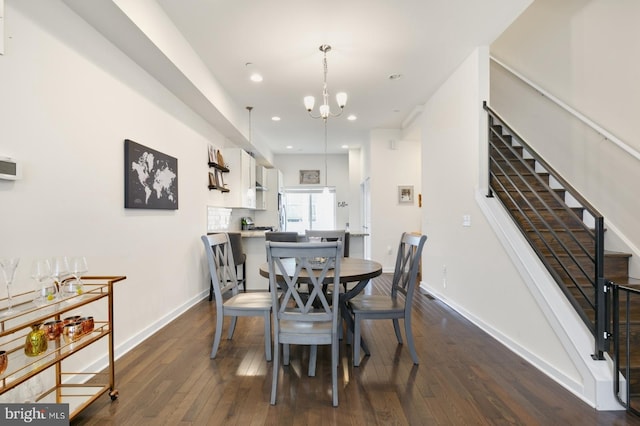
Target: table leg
344, 309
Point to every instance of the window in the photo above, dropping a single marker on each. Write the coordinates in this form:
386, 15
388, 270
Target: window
309, 208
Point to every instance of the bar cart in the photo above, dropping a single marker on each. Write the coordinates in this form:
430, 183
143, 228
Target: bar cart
78, 389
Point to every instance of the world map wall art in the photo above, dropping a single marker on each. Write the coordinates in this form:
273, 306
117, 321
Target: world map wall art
150, 178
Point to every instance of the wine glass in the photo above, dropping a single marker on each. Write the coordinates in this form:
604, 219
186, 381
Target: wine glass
45, 290
9, 265
59, 270
77, 267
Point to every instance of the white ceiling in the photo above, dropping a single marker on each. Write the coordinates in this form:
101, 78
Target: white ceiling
423, 40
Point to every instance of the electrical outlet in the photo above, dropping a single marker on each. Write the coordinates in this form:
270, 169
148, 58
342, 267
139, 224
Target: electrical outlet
389, 250
466, 220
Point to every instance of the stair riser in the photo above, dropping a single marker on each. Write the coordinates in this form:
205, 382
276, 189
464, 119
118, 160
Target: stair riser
509, 167
545, 199
525, 182
506, 151
547, 218
614, 267
568, 244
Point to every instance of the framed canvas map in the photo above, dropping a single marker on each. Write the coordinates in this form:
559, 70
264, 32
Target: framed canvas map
150, 178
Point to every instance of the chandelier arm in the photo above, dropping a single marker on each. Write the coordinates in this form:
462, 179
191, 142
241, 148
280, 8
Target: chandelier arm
338, 114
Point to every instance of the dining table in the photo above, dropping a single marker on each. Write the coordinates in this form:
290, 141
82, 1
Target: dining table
352, 270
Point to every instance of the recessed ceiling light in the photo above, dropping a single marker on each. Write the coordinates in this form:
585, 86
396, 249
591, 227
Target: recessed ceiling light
255, 77
345, 146
289, 146
393, 77
275, 118
352, 117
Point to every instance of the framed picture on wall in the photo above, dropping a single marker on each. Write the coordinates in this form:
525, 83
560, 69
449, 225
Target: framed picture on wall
150, 178
309, 177
405, 194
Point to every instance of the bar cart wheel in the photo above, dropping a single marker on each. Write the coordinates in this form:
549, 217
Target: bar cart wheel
114, 394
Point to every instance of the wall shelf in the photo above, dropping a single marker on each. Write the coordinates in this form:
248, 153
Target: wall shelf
216, 181
221, 189
217, 166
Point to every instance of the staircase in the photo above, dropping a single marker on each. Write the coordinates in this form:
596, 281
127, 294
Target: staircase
567, 233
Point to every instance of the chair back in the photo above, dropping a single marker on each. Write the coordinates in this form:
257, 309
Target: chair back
289, 237
293, 264
407, 266
328, 235
221, 265
235, 239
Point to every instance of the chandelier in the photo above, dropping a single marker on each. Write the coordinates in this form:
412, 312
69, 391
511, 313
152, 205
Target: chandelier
324, 109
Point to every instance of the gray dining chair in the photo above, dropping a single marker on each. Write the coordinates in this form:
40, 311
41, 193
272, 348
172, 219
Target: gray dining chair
330, 235
239, 259
229, 300
397, 304
281, 236
309, 319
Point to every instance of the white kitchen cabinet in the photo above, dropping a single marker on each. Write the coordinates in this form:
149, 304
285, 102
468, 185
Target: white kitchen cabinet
242, 179
262, 188
269, 215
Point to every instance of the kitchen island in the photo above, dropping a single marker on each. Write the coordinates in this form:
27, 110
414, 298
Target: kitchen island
253, 243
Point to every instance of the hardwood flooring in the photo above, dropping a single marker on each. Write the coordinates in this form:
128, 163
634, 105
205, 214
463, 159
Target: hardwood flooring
465, 377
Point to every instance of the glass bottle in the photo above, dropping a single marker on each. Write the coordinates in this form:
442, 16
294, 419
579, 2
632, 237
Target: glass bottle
36, 341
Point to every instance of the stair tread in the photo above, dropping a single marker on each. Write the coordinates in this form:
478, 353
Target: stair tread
607, 253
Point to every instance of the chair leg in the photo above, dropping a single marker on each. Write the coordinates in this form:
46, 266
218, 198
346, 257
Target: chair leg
313, 357
409, 333
396, 327
285, 354
267, 335
232, 327
216, 338
348, 320
355, 346
334, 370
276, 367
244, 277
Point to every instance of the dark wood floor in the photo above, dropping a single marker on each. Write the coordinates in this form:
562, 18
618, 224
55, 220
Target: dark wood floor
465, 377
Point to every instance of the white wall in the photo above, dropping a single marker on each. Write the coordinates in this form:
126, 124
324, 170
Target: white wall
392, 165
585, 54
338, 176
467, 266
355, 190
68, 99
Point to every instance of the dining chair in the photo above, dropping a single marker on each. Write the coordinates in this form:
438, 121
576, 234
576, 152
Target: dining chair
329, 235
281, 236
239, 259
229, 301
397, 304
309, 319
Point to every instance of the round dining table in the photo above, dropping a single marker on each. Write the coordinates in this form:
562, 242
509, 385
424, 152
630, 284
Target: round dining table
352, 270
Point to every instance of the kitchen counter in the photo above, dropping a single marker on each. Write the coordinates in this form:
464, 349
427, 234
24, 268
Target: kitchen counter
260, 234
252, 234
